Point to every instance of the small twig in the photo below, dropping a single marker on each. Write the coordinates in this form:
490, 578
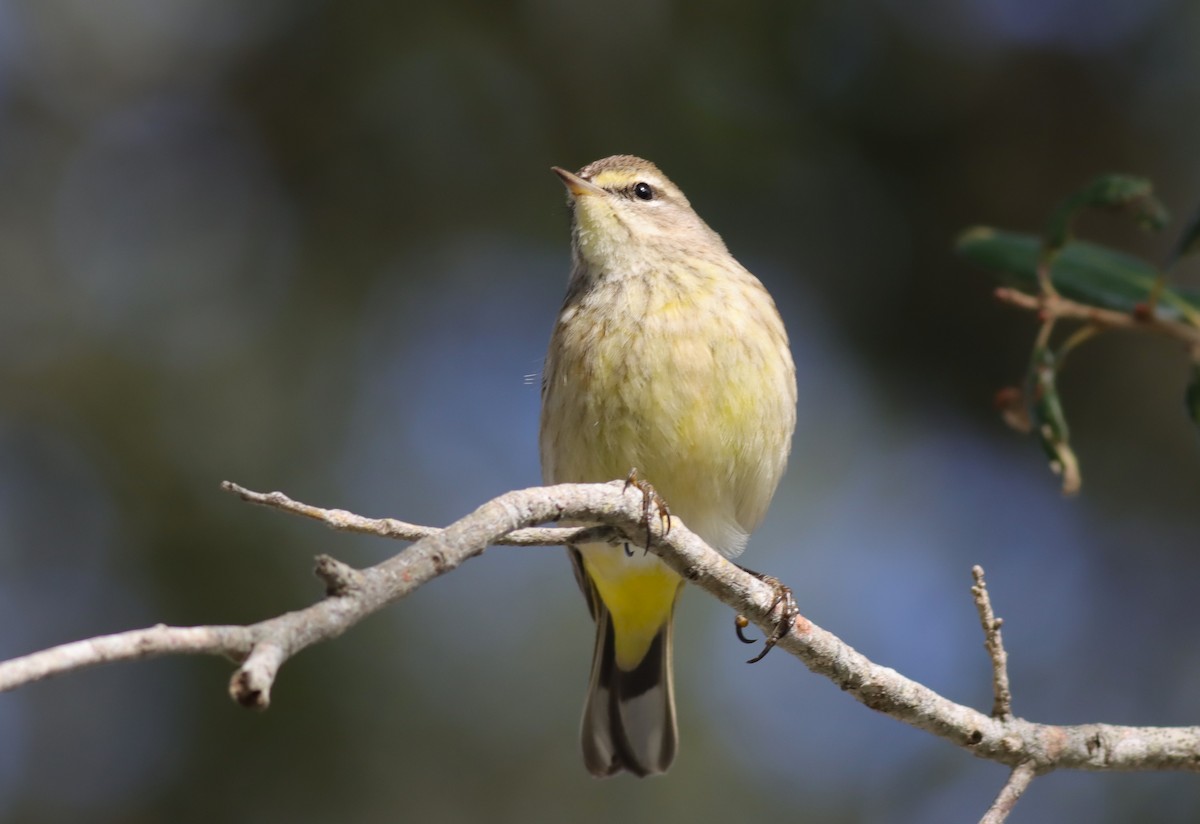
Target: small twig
1018, 781
1076, 339
1045, 283
343, 521
994, 643
340, 579
1045, 330
1056, 306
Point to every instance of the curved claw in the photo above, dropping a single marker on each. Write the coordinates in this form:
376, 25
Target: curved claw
788, 613
767, 646
740, 623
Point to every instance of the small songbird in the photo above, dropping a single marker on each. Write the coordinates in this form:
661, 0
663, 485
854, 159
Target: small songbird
668, 358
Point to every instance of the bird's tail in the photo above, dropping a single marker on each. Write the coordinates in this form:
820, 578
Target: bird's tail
629, 715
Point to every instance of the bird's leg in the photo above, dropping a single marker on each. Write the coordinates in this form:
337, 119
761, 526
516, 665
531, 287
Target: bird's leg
649, 495
787, 614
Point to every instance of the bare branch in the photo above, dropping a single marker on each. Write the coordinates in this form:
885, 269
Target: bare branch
343, 521
1018, 781
351, 594
264, 647
1002, 701
229, 641
1053, 306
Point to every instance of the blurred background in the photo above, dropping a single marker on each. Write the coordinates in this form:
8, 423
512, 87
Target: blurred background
316, 247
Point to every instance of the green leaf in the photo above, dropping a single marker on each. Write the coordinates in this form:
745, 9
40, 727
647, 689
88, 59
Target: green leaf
1082, 271
1114, 192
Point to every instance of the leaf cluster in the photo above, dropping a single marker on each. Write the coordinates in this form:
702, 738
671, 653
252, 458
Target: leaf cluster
1098, 287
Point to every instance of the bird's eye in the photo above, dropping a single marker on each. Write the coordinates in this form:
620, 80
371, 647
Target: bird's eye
644, 191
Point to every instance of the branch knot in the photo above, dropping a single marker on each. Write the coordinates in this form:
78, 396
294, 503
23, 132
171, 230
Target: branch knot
340, 579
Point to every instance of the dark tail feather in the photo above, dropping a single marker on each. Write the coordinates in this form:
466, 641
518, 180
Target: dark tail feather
629, 716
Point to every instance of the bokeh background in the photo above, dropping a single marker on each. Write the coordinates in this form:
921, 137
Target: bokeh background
315, 246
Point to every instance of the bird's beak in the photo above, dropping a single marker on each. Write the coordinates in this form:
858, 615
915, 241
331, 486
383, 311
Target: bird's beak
576, 185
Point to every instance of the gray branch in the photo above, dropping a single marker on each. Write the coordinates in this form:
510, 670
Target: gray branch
1018, 781
993, 642
614, 512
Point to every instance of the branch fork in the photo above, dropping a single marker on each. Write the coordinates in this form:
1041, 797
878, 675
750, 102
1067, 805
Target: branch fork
614, 512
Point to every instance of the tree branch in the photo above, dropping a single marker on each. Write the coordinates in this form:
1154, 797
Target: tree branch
1002, 695
1018, 781
351, 594
343, 521
1055, 306
264, 647
230, 641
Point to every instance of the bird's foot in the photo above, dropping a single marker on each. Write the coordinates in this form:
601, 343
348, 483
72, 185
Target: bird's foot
649, 496
787, 615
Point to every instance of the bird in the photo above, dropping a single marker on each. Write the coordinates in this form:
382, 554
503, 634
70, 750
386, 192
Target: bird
668, 364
